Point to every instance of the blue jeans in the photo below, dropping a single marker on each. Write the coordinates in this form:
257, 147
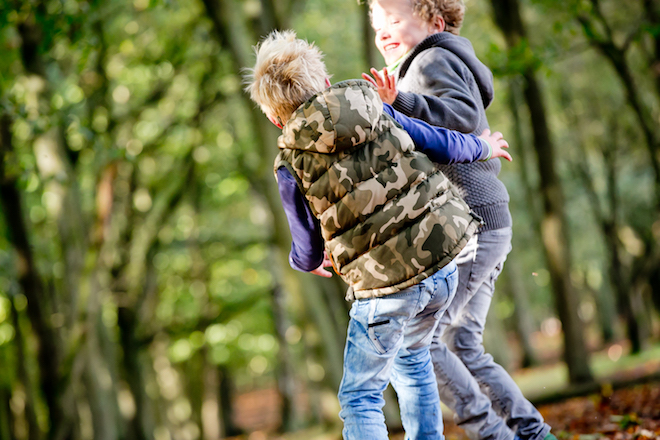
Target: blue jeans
388, 339
486, 401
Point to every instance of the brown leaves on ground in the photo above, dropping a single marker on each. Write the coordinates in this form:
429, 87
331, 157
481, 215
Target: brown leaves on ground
629, 413
625, 414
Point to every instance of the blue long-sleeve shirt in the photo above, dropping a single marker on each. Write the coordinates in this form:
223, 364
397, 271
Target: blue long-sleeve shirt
439, 144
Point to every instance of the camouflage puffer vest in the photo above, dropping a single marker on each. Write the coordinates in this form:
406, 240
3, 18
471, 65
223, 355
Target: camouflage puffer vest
389, 218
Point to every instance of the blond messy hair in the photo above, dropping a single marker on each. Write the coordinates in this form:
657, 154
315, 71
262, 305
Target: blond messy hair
452, 11
288, 71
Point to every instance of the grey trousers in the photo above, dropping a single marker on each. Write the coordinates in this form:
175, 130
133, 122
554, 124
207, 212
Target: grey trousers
486, 401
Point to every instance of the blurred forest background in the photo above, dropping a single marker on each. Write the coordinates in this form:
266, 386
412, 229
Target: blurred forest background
144, 284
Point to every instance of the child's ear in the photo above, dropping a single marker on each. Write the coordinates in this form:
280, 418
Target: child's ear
438, 24
275, 121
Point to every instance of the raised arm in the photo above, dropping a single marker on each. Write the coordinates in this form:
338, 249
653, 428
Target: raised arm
449, 101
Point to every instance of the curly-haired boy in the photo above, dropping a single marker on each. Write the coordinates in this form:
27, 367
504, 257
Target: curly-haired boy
433, 74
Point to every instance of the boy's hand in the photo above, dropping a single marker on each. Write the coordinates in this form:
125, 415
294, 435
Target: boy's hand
385, 85
320, 271
497, 143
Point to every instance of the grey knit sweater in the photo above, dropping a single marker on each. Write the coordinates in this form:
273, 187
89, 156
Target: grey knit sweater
442, 82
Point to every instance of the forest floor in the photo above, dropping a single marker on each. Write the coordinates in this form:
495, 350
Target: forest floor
626, 404
627, 413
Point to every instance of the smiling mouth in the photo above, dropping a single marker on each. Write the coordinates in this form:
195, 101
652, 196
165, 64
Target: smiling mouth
391, 46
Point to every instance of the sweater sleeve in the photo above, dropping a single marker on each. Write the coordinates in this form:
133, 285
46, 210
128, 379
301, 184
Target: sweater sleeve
449, 102
306, 241
439, 144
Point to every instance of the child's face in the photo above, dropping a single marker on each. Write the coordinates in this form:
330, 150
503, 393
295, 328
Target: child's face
397, 29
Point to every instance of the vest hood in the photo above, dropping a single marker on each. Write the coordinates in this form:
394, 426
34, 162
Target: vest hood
336, 119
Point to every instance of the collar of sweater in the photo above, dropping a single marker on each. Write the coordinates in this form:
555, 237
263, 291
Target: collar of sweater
463, 50
431, 41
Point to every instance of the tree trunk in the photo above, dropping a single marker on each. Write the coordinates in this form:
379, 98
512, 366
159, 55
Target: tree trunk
210, 409
606, 219
554, 233
226, 394
134, 357
142, 424
655, 288
653, 16
606, 313
554, 228
619, 275
522, 310
48, 351
622, 288
236, 38
194, 379
6, 416
516, 100
97, 378
286, 383
34, 433
512, 273
333, 343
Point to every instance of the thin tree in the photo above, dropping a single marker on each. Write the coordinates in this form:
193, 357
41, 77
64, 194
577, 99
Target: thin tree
554, 228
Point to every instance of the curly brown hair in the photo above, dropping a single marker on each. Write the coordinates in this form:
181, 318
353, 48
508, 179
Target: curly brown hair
452, 11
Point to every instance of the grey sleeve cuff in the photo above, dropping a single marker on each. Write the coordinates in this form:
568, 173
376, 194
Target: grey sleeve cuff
487, 150
404, 103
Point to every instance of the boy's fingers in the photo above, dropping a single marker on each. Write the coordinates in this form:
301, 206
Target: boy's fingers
485, 133
370, 79
502, 152
322, 273
326, 260
387, 79
497, 135
390, 81
380, 82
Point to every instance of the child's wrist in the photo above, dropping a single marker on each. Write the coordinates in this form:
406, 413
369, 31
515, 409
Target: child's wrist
488, 148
